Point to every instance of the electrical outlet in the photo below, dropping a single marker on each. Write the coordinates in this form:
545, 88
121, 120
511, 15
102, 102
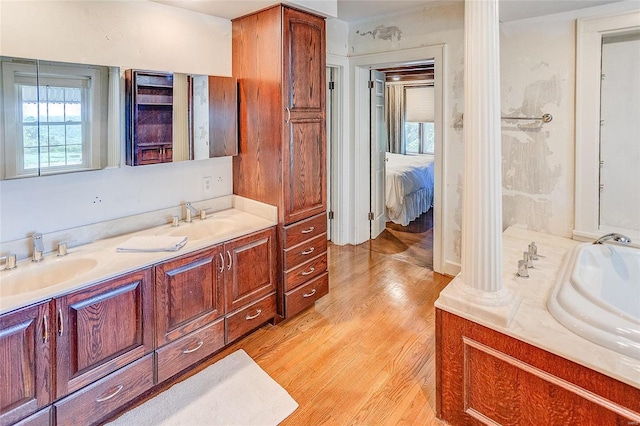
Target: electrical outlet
207, 186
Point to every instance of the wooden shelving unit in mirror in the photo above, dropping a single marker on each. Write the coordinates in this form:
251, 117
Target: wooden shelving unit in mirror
149, 117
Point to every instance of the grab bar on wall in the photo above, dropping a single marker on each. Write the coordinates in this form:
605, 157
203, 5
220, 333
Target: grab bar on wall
546, 118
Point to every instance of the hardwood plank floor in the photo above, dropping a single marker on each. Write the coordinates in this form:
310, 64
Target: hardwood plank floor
365, 354
412, 243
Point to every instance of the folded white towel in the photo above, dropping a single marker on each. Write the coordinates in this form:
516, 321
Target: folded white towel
152, 244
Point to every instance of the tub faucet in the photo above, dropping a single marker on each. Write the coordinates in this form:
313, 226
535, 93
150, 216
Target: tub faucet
619, 238
38, 247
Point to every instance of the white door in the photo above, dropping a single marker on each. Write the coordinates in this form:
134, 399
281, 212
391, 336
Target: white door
378, 149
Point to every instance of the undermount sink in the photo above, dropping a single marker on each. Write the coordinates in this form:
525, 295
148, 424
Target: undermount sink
201, 229
49, 273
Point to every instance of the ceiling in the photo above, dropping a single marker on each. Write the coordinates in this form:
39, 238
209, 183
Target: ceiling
358, 10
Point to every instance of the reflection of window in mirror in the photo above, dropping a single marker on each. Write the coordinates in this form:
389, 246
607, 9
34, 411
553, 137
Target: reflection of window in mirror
55, 117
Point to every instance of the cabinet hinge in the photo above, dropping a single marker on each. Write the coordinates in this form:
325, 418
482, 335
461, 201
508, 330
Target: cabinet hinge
370, 215
330, 215
370, 84
332, 85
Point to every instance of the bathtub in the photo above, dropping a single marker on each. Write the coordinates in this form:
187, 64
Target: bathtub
597, 296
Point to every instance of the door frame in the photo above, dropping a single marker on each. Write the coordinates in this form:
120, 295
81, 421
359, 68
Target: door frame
359, 66
338, 168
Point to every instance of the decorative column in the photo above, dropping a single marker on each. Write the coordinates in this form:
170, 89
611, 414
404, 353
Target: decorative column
482, 200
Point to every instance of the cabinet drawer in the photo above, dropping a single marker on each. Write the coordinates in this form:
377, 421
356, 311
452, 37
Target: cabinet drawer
251, 317
306, 295
304, 230
93, 403
41, 418
302, 252
305, 272
189, 349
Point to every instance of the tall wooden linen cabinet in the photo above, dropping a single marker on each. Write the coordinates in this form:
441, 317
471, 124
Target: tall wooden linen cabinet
279, 61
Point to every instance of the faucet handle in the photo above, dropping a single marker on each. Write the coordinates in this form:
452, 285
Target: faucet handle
62, 249
8, 262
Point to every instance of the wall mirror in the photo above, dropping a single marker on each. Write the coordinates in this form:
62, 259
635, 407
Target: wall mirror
607, 107
176, 117
57, 117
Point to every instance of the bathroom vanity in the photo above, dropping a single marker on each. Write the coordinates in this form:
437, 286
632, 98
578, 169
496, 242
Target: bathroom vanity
130, 321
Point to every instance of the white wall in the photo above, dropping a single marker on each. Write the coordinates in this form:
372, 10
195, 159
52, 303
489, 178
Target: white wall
429, 26
538, 76
131, 34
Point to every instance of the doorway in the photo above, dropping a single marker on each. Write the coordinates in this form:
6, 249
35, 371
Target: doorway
361, 67
402, 161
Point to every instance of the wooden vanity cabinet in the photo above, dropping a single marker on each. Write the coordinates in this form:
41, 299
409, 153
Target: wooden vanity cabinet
250, 282
26, 357
189, 310
279, 61
102, 328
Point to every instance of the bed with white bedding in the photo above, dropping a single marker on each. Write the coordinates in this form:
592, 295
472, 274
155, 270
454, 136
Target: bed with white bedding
409, 186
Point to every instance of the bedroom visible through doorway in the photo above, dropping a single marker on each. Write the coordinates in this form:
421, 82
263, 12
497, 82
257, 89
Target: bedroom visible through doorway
408, 133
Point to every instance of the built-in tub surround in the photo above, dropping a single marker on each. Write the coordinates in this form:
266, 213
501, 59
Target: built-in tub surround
532, 322
92, 255
597, 295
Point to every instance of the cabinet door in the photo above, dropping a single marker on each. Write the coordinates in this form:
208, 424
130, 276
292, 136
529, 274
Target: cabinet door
304, 142
223, 116
250, 269
102, 328
26, 357
188, 294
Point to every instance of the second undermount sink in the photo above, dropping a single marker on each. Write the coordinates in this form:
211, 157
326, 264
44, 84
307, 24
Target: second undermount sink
50, 272
201, 229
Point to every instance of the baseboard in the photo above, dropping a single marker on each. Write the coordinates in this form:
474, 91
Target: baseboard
451, 268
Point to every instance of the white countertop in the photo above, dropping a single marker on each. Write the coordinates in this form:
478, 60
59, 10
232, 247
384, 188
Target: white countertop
532, 323
95, 262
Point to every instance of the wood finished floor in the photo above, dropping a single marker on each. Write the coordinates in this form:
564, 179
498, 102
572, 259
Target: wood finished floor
365, 354
412, 243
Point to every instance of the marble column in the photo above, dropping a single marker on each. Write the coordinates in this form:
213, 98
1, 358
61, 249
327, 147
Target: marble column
482, 199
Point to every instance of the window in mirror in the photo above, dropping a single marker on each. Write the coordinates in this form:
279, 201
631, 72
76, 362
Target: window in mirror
55, 117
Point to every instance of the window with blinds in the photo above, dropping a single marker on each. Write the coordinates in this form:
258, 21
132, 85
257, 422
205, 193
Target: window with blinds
419, 119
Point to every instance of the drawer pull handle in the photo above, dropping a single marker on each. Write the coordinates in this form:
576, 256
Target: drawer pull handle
250, 317
310, 294
198, 346
306, 231
221, 262
111, 395
309, 251
60, 323
309, 272
45, 331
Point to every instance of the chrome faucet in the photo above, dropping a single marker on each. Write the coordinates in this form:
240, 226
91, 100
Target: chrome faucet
38, 247
619, 238
191, 211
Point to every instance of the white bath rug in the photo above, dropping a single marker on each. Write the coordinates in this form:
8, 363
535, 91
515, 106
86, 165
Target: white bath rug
233, 391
